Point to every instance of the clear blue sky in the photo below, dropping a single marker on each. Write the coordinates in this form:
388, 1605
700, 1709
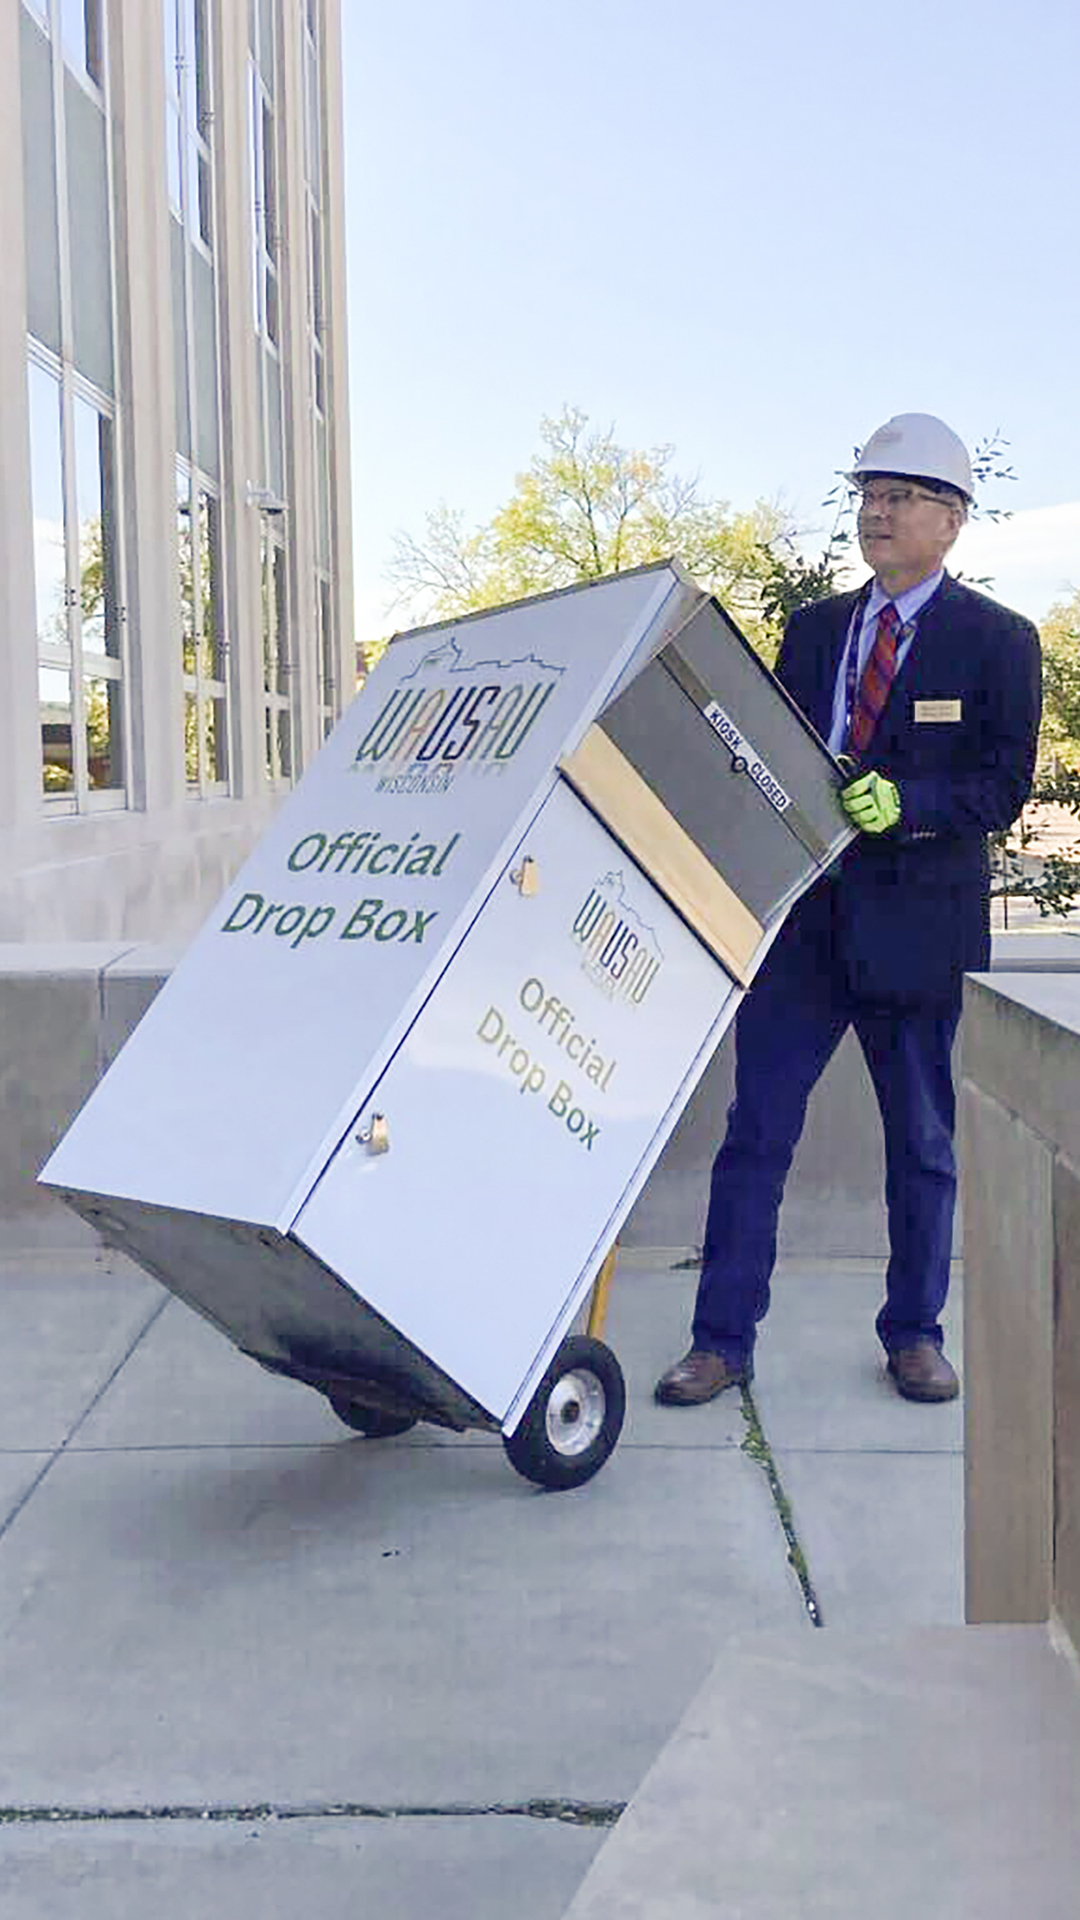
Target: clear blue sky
751, 232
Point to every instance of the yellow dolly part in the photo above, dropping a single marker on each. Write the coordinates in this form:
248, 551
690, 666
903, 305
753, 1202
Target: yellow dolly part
598, 1305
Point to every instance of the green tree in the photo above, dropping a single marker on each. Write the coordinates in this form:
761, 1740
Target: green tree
100, 696
1053, 882
1060, 738
588, 506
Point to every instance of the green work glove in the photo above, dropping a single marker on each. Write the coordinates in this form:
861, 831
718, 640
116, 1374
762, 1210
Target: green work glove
872, 802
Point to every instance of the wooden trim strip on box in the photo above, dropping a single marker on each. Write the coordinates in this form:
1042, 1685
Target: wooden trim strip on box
641, 823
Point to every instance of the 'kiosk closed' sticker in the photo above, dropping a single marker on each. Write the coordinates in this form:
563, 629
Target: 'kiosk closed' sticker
745, 758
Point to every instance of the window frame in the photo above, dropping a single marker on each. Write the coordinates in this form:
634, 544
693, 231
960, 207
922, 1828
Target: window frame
265, 217
191, 99
282, 750
327, 652
315, 209
189, 114
52, 19
277, 662
72, 385
206, 689
71, 656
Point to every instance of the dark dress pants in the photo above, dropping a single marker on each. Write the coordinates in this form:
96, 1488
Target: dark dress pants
786, 1032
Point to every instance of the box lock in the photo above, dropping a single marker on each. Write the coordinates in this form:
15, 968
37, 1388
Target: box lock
526, 878
376, 1135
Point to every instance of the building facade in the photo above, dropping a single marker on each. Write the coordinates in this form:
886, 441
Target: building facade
175, 564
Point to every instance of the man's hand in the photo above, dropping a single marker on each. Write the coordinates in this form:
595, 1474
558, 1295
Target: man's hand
872, 802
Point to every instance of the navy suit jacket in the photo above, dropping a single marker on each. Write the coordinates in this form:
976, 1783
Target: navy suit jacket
906, 913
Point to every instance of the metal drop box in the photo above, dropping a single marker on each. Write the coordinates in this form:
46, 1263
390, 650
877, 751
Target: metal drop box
384, 1121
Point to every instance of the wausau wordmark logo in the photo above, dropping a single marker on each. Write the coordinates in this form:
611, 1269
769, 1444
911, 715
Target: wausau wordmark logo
620, 953
437, 722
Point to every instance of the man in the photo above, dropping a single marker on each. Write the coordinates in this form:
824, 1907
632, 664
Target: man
929, 693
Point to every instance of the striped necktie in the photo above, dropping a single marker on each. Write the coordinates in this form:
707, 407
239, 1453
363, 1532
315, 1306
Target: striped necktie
878, 676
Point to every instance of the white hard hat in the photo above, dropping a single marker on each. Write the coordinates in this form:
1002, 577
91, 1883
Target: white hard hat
920, 445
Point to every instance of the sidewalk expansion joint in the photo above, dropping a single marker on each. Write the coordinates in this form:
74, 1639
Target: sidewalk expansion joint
757, 1447
574, 1813
95, 1399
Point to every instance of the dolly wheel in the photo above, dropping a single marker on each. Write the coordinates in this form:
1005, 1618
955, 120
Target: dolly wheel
372, 1421
573, 1419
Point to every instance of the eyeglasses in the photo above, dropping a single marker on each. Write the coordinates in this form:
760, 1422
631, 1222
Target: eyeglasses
894, 498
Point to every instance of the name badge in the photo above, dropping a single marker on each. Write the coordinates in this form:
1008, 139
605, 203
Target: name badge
938, 710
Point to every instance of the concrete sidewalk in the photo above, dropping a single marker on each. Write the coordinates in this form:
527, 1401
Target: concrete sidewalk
248, 1657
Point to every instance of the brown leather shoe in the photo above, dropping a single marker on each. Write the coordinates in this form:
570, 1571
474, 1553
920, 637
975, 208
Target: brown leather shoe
921, 1372
699, 1376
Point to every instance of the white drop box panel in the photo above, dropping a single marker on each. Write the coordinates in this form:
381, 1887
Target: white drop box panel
242, 1076
524, 1108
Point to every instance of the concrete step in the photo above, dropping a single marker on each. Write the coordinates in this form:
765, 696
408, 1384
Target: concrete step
860, 1777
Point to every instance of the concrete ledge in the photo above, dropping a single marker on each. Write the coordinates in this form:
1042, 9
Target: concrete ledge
933, 1772
1020, 1115
64, 1012
66, 1009
128, 874
1008, 1366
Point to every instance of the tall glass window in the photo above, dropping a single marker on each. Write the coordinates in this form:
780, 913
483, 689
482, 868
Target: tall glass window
81, 36
206, 734
266, 259
75, 487
80, 25
174, 110
324, 629
189, 116
313, 189
277, 661
266, 240
79, 624
189, 172
315, 200
51, 583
